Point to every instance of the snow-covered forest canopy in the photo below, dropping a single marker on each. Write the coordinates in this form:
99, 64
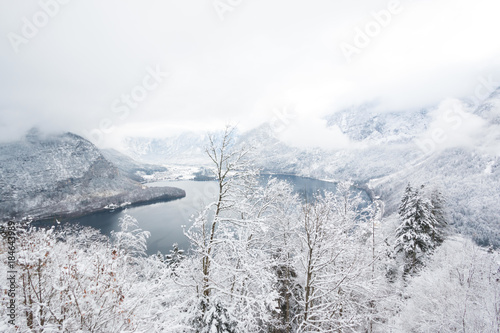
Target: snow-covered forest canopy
262, 259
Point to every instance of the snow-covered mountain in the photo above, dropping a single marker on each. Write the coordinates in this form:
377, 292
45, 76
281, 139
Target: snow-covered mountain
186, 148
452, 146
64, 175
365, 124
129, 167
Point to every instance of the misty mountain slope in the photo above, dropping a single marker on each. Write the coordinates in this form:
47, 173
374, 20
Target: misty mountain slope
365, 124
186, 148
469, 180
360, 164
63, 175
468, 175
129, 167
490, 108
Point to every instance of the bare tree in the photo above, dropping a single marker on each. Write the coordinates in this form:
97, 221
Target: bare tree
227, 160
332, 265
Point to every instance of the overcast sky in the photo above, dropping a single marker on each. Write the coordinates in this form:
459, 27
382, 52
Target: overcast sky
98, 68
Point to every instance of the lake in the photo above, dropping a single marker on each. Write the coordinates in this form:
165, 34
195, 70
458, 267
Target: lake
164, 220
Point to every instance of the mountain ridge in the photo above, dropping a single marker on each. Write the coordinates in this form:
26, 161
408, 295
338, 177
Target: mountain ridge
62, 175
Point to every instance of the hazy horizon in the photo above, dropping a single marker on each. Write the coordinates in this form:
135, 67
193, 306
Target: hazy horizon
107, 70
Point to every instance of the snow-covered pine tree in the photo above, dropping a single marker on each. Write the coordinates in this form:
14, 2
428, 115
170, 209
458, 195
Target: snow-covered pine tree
175, 256
217, 320
414, 234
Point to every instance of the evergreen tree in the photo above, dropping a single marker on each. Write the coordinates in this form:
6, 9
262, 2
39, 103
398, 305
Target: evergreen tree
217, 320
414, 234
175, 257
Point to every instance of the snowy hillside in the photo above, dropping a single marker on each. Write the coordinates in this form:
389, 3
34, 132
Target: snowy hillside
63, 175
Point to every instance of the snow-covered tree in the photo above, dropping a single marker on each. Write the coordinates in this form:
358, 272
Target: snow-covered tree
278, 213
225, 161
203, 232
74, 280
130, 240
332, 265
414, 234
175, 256
457, 291
217, 320
235, 273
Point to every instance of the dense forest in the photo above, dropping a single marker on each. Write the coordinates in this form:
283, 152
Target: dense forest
262, 259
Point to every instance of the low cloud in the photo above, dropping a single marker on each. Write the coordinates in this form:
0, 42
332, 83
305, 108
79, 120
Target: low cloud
452, 126
235, 70
306, 132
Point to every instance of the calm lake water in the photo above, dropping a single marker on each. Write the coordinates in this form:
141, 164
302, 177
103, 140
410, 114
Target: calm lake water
164, 220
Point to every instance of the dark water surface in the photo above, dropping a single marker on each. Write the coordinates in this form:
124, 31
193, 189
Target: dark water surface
164, 220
